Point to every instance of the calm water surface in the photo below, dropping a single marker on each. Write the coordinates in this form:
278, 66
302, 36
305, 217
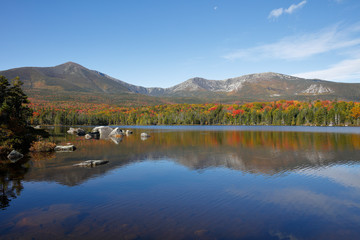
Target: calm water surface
189, 183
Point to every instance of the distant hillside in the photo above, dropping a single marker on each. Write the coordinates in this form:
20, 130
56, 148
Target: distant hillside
263, 86
64, 80
65, 77
73, 82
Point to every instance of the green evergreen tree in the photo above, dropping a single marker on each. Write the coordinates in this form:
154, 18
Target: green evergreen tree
15, 133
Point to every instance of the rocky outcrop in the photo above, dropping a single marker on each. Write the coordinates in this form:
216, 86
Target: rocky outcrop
104, 131
91, 163
15, 156
78, 131
117, 132
66, 148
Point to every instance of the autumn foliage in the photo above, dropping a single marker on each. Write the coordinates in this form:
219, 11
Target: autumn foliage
42, 146
316, 113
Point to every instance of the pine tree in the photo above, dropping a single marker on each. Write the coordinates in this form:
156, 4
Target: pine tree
14, 117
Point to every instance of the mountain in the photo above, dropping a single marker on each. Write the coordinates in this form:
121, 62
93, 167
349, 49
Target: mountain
73, 82
66, 77
69, 78
264, 86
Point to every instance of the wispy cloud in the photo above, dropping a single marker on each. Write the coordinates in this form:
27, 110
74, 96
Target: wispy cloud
280, 11
302, 46
344, 71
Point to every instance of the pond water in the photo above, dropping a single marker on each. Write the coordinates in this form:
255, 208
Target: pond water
189, 183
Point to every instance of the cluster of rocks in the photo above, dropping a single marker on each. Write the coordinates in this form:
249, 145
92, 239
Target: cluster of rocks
105, 132
101, 132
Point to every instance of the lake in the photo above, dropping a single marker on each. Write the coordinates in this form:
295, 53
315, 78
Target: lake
189, 182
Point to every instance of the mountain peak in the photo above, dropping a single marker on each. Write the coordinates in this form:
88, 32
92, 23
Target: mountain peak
70, 64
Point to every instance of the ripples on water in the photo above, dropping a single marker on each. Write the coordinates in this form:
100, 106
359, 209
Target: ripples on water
190, 183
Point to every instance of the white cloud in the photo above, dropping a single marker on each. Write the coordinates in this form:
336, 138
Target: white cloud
302, 46
343, 71
341, 174
276, 13
279, 11
293, 7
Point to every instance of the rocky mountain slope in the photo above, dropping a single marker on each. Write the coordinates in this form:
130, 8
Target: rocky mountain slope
72, 77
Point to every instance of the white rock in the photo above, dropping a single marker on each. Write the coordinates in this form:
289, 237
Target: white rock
91, 163
103, 130
67, 148
88, 136
15, 156
145, 135
116, 140
116, 132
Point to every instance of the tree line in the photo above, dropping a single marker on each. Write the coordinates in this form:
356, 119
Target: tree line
289, 113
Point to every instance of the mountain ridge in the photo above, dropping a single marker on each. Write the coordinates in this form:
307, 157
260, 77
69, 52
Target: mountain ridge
73, 77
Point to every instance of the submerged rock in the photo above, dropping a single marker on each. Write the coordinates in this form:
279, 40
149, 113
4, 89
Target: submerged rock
91, 163
128, 132
88, 136
15, 156
144, 135
66, 148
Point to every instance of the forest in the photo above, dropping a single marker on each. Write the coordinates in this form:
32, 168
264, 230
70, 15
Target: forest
290, 113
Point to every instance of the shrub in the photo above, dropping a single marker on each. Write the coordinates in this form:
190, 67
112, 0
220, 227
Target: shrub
41, 146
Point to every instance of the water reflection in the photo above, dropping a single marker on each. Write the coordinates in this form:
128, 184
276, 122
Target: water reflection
269, 153
11, 177
189, 185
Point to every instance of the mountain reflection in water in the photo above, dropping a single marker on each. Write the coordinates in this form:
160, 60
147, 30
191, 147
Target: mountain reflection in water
255, 152
195, 184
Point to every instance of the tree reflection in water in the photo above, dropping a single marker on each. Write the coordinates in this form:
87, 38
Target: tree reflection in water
11, 176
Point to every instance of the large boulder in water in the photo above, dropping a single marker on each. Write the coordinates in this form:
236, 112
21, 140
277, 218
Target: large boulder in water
15, 156
117, 133
104, 131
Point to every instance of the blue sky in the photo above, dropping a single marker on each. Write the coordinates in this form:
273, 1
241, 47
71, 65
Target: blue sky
164, 42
